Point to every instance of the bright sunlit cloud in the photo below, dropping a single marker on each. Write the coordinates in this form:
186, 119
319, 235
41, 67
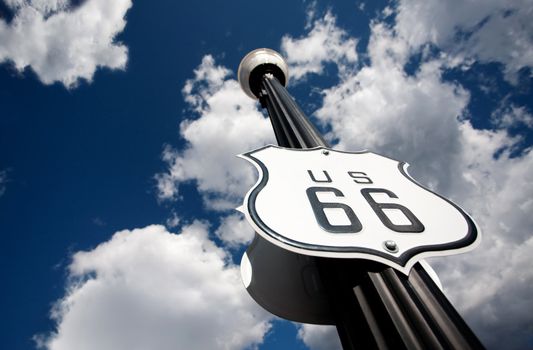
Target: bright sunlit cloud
152, 289
325, 43
423, 119
220, 115
64, 43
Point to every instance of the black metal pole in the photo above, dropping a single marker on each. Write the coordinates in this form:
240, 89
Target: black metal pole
375, 306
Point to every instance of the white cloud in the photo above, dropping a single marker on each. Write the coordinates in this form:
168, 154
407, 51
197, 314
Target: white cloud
226, 122
319, 337
383, 109
151, 289
325, 43
486, 30
501, 297
173, 221
61, 43
421, 119
44, 6
234, 230
492, 285
509, 115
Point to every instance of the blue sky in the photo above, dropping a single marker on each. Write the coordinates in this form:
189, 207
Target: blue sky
119, 127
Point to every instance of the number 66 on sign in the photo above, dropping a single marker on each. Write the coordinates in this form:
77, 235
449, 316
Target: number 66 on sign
323, 202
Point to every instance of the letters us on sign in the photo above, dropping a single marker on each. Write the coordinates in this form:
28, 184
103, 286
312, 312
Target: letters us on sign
323, 202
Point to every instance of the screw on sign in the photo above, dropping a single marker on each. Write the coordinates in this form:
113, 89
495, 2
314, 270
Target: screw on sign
341, 236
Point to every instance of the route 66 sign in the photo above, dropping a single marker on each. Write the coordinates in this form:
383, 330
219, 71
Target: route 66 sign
323, 202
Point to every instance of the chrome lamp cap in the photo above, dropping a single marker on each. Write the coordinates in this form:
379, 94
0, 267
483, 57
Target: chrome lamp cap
256, 64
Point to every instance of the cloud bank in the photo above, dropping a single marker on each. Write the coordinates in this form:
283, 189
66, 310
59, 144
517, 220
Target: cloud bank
325, 43
319, 337
152, 289
484, 31
61, 43
423, 119
224, 122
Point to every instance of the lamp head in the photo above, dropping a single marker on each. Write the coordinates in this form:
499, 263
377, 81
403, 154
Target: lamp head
258, 63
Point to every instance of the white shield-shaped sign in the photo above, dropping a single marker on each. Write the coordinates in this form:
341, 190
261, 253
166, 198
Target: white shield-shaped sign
323, 202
